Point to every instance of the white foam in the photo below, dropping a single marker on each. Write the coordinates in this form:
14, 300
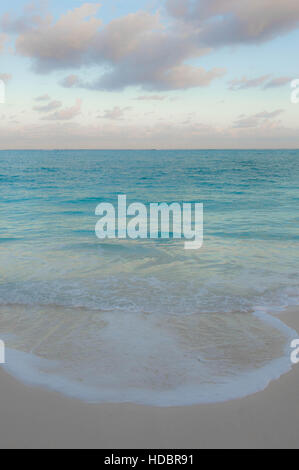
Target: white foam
43, 372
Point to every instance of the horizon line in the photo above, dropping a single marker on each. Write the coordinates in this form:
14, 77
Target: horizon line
147, 149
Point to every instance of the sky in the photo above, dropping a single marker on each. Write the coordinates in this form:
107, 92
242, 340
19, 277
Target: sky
149, 74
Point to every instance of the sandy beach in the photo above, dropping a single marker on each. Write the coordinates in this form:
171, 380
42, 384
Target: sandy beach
37, 418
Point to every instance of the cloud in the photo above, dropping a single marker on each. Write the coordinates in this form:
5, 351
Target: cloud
5, 77
48, 107
70, 81
31, 17
269, 115
45, 97
134, 50
187, 76
66, 43
115, 114
122, 36
164, 135
220, 23
241, 84
246, 122
65, 114
35, 5
3, 38
139, 50
157, 76
151, 98
277, 82
257, 119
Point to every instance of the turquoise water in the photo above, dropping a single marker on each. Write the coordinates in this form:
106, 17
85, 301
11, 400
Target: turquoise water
145, 320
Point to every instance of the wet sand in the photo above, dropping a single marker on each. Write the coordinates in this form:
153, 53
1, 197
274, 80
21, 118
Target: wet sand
32, 417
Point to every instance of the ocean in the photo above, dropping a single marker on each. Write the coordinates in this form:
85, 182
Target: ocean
146, 321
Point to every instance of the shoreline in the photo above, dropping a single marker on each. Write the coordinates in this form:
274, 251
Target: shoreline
33, 417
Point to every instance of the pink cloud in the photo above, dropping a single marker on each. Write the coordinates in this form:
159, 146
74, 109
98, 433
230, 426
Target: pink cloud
66, 114
48, 107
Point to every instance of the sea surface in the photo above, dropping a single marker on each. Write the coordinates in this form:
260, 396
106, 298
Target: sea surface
146, 321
